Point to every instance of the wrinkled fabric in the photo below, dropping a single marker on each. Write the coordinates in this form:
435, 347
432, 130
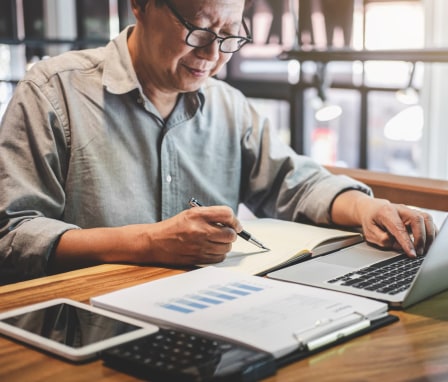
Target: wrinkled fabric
81, 147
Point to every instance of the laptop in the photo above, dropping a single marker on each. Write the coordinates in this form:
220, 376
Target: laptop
360, 270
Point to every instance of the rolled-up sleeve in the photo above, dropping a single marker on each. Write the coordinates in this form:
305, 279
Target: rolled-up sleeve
33, 160
277, 182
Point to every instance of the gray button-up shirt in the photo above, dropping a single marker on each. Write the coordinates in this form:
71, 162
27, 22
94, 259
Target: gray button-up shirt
81, 146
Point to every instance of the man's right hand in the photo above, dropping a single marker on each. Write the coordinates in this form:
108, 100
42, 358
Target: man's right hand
200, 235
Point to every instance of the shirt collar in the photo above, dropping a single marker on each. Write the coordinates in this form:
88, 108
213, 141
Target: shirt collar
119, 76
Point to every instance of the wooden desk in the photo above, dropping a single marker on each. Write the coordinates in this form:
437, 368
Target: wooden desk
415, 348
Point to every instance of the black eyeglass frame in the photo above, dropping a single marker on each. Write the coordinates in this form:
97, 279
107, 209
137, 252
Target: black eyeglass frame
191, 28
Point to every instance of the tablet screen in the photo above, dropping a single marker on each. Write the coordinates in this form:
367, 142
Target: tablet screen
70, 325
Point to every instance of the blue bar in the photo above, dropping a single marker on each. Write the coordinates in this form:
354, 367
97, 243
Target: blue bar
192, 304
206, 299
234, 291
177, 308
220, 295
248, 287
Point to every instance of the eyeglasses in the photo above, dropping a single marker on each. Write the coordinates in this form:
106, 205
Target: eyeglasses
202, 37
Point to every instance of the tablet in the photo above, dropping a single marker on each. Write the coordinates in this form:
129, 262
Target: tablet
70, 329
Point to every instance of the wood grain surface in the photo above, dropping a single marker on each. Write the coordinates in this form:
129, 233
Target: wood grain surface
412, 349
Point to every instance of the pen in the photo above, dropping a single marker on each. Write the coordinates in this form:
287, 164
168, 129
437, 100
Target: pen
244, 234
329, 330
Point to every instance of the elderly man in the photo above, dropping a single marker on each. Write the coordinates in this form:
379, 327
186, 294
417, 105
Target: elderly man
102, 149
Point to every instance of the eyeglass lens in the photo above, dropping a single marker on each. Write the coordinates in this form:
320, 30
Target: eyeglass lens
201, 38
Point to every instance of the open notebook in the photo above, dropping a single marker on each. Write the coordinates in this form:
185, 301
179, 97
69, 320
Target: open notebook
288, 243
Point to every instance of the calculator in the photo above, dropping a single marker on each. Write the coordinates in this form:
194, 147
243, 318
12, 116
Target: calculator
176, 355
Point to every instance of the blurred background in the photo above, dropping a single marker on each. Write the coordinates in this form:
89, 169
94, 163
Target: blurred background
352, 83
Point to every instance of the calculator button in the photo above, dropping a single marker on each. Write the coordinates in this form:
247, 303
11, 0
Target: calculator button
175, 355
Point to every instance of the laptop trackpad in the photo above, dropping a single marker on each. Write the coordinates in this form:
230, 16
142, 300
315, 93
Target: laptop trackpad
356, 256
320, 269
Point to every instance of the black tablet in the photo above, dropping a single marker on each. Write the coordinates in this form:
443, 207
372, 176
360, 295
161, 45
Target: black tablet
71, 329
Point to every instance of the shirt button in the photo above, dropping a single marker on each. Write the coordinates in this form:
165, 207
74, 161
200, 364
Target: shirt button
169, 179
140, 100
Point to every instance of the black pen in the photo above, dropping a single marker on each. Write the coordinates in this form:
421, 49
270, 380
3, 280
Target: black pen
244, 234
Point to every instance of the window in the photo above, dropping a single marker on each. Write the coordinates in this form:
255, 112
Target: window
372, 128
391, 108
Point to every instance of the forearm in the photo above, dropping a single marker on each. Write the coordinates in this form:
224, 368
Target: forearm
348, 207
191, 237
86, 247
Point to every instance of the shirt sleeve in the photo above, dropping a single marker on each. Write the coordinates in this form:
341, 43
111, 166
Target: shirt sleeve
279, 183
33, 164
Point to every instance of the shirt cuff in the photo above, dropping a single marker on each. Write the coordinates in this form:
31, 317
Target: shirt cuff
32, 244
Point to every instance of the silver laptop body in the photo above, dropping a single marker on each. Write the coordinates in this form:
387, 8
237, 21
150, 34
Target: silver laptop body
431, 278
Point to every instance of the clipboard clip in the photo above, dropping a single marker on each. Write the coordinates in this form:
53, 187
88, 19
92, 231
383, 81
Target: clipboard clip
326, 331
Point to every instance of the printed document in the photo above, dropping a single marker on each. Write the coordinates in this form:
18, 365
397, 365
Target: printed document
270, 315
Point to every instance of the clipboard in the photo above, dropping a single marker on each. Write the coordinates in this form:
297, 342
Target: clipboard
305, 352
273, 316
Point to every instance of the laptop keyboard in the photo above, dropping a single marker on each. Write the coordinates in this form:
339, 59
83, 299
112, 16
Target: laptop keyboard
390, 276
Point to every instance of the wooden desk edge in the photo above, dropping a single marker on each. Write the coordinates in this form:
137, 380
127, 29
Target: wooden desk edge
79, 284
415, 191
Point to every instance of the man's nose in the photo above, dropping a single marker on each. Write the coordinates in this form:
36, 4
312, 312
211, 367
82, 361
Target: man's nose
210, 52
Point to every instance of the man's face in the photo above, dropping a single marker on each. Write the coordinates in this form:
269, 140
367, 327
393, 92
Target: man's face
171, 64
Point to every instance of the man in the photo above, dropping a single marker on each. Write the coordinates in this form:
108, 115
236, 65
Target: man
102, 149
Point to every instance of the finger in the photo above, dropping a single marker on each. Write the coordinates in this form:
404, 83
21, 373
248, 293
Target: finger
392, 243
205, 252
431, 231
378, 236
212, 258
222, 215
211, 247
217, 234
214, 252
416, 227
199, 258
421, 225
394, 225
